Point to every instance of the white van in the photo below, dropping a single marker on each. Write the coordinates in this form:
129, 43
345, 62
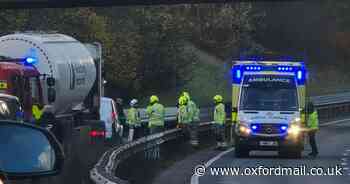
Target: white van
108, 114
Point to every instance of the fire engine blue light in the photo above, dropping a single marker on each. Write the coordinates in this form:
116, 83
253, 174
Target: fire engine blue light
259, 68
30, 60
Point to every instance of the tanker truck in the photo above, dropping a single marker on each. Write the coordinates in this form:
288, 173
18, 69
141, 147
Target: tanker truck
51, 68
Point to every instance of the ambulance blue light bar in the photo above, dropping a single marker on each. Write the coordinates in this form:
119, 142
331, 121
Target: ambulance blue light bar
285, 68
253, 68
299, 71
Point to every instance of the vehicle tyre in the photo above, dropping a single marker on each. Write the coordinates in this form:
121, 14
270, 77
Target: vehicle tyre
241, 151
290, 154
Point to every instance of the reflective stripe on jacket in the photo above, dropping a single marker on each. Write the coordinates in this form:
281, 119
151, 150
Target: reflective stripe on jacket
36, 112
133, 117
156, 113
183, 114
194, 111
220, 114
234, 117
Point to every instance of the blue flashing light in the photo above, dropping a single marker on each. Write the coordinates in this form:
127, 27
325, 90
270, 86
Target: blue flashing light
238, 74
254, 127
283, 128
30, 61
299, 75
253, 68
285, 68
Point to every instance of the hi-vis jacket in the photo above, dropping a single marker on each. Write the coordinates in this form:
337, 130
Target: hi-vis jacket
156, 113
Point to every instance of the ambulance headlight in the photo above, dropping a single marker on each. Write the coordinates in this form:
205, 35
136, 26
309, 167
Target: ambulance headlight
244, 129
294, 129
296, 120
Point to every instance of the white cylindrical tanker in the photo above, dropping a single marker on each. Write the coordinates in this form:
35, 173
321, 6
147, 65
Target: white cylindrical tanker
59, 56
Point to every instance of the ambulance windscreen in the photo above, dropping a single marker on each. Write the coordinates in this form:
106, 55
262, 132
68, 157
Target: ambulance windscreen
269, 93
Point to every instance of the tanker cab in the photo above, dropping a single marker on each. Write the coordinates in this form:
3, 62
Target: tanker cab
269, 100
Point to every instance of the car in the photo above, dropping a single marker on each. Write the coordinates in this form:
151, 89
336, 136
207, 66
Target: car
109, 115
31, 152
10, 108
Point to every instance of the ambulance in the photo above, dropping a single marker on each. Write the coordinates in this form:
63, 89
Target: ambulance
268, 106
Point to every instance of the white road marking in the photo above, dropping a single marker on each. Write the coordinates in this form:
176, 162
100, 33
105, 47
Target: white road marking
344, 159
345, 168
335, 122
195, 178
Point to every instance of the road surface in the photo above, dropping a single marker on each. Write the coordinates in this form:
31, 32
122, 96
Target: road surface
334, 148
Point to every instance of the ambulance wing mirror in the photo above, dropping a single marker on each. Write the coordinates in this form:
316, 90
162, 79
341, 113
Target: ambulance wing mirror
51, 94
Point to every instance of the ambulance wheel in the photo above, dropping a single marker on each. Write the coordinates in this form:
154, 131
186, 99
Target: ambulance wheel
241, 151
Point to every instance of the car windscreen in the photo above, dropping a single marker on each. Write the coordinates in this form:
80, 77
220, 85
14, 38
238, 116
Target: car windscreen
9, 109
269, 93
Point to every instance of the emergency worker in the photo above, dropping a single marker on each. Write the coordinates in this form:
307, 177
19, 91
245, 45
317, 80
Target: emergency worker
37, 111
313, 127
183, 116
156, 113
219, 120
194, 119
133, 120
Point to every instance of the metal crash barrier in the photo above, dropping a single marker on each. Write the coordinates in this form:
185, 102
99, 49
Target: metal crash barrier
329, 106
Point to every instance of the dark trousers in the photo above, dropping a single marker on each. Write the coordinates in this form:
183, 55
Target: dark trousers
153, 152
219, 132
312, 140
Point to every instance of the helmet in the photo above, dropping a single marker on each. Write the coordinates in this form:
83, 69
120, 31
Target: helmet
133, 102
119, 101
187, 95
218, 98
183, 100
153, 99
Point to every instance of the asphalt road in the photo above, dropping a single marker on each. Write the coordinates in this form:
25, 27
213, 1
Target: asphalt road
334, 148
